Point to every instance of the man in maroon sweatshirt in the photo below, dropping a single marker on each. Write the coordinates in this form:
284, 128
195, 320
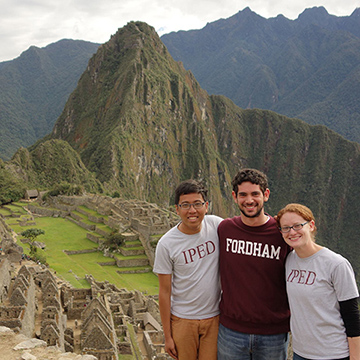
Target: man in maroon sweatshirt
254, 311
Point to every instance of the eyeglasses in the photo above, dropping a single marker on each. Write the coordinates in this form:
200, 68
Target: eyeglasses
187, 206
296, 227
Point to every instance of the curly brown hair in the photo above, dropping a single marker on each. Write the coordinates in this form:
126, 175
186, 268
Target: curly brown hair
252, 175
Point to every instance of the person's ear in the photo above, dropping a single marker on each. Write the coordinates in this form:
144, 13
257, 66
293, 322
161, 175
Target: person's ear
266, 194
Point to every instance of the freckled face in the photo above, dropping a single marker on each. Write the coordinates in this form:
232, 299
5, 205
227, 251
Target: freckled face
300, 239
192, 218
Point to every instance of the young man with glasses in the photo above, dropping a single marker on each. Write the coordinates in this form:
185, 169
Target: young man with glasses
254, 311
186, 262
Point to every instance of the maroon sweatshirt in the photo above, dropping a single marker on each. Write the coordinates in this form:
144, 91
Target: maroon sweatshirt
252, 272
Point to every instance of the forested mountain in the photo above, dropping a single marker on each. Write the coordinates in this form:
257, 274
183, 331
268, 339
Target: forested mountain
308, 68
141, 124
34, 89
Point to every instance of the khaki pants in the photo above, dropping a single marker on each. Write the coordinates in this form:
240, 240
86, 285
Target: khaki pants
195, 339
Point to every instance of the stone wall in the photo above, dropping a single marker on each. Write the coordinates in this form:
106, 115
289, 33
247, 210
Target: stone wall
96, 219
118, 223
94, 238
28, 324
131, 252
71, 293
101, 232
14, 323
66, 207
132, 262
18, 311
153, 342
5, 277
75, 216
75, 252
43, 211
5, 231
73, 201
85, 226
12, 250
146, 219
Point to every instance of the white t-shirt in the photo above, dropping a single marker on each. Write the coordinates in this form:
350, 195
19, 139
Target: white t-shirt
315, 285
193, 262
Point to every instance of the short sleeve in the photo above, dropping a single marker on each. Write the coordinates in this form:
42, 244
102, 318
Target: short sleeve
163, 263
344, 281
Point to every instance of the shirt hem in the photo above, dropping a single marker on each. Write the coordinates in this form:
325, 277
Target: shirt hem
196, 317
256, 328
320, 357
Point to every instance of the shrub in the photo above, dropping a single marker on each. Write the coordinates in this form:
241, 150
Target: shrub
114, 240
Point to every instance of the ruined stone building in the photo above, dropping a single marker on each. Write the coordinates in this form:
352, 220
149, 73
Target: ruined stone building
53, 322
98, 335
102, 314
17, 311
98, 320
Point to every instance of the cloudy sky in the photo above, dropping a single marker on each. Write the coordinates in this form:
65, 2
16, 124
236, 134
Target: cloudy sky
41, 22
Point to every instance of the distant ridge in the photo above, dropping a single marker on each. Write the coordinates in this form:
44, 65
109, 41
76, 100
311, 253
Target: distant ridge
34, 88
307, 68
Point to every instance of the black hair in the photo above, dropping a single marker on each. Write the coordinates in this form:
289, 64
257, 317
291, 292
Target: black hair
189, 187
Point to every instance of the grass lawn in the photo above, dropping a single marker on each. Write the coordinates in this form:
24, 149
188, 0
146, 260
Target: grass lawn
61, 234
5, 212
16, 209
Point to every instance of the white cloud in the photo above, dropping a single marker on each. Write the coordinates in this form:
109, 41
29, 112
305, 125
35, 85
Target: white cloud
40, 22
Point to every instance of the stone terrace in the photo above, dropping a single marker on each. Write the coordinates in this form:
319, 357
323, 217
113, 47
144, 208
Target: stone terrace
137, 221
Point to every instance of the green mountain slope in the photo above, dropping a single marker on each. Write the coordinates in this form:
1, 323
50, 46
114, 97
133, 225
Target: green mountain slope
53, 164
137, 117
305, 68
34, 88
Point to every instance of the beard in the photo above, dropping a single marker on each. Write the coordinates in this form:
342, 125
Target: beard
252, 216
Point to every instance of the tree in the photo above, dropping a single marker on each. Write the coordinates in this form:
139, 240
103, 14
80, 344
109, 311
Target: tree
115, 240
32, 234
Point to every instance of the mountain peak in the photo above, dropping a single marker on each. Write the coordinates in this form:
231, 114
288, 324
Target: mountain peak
133, 97
356, 12
247, 10
314, 15
248, 13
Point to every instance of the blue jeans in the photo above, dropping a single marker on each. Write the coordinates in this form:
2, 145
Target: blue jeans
298, 357
234, 345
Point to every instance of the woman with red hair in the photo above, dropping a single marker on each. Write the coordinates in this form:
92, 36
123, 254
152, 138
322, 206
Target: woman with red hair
322, 292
